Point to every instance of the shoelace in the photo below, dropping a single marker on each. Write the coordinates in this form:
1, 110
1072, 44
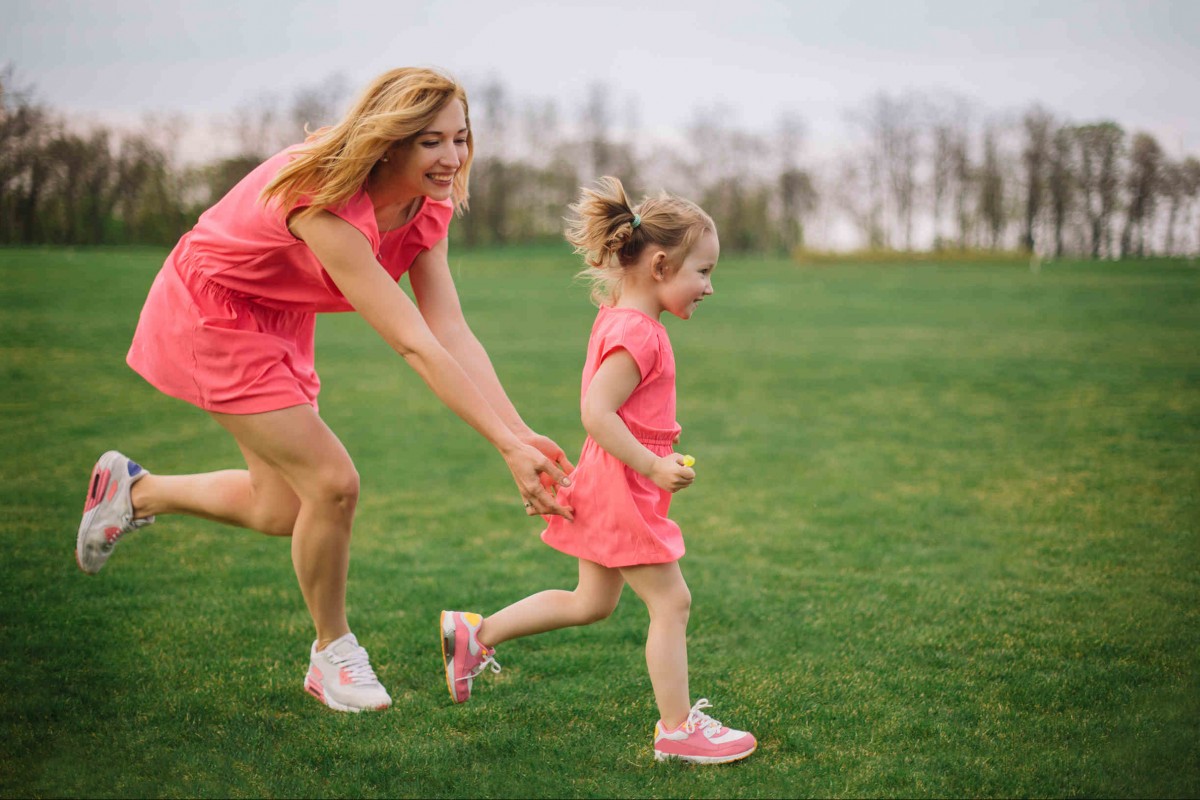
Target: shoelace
357, 665
488, 662
698, 719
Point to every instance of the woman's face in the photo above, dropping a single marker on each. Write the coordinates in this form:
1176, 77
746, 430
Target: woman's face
428, 164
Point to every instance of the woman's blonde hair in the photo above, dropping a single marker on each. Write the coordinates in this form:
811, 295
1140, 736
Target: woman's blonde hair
602, 229
334, 162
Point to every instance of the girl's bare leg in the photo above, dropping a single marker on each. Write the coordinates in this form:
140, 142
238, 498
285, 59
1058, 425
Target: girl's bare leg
668, 599
595, 597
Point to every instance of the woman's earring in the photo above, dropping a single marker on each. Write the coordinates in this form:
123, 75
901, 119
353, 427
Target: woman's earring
385, 158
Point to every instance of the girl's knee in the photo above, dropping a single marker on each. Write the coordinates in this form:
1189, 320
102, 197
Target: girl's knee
597, 609
676, 605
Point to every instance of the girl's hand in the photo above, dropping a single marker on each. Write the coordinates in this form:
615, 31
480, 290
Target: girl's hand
536, 477
672, 473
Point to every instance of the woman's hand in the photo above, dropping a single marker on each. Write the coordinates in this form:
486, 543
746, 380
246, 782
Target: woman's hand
671, 473
549, 449
537, 477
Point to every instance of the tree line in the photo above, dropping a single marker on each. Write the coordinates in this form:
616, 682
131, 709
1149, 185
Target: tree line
916, 173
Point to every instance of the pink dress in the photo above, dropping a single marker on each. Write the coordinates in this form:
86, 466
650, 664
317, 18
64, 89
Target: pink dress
229, 322
621, 516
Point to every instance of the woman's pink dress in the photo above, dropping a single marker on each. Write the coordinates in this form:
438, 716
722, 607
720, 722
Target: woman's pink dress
621, 516
229, 322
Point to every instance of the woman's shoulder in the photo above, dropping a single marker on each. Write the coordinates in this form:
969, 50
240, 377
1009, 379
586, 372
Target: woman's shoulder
433, 220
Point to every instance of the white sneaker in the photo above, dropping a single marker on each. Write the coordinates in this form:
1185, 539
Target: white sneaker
340, 676
107, 511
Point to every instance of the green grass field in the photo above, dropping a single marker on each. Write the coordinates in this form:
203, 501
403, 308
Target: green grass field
945, 541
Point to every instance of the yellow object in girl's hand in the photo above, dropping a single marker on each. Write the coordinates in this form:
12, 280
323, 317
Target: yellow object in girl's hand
688, 461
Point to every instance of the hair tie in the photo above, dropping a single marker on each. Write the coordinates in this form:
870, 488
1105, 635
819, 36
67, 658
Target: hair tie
637, 220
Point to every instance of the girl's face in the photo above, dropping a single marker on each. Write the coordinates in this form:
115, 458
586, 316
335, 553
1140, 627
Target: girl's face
428, 164
682, 290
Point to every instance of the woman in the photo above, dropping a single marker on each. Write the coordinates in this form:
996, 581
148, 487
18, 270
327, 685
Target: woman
228, 326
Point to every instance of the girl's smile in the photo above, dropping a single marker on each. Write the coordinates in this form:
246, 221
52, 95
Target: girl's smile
682, 291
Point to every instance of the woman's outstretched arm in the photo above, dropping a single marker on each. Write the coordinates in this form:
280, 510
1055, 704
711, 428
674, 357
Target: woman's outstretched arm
346, 256
438, 301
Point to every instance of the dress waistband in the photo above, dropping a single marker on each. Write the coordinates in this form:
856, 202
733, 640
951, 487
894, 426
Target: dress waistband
652, 436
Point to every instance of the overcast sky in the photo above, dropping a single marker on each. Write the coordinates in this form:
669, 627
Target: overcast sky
1137, 62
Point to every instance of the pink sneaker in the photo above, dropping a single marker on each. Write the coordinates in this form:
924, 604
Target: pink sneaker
701, 740
464, 655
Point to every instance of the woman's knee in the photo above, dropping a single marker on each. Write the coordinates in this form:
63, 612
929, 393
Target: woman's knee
335, 487
278, 519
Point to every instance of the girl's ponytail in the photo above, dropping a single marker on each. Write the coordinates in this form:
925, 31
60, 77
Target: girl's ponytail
602, 225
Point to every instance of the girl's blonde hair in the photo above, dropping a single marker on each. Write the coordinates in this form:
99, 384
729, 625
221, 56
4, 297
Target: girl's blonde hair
334, 162
602, 230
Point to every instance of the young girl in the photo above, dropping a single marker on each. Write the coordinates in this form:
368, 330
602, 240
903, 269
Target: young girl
644, 261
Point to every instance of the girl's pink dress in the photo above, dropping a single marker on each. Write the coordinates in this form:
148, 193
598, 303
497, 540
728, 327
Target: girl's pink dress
621, 516
229, 322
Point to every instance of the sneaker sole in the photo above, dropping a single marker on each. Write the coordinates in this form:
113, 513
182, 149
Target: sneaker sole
660, 756
316, 691
447, 626
106, 461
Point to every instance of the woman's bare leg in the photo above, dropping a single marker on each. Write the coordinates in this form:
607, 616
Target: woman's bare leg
257, 498
299, 478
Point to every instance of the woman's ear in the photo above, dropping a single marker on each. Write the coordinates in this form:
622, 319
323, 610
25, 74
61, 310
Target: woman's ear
393, 153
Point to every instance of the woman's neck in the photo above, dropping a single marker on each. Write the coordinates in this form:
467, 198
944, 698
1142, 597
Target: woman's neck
396, 215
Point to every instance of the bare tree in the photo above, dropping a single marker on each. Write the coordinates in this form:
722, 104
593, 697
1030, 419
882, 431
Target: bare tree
80, 183
1098, 149
903, 156
541, 131
597, 127
1190, 183
948, 123
940, 178
1036, 158
1142, 182
797, 192
258, 127
1061, 185
892, 154
26, 131
991, 188
964, 178
850, 191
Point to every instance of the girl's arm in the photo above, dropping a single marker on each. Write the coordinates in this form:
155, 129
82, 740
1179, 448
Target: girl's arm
437, 299
614, 381
346, 255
